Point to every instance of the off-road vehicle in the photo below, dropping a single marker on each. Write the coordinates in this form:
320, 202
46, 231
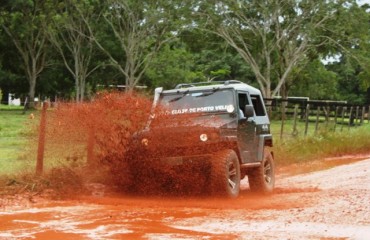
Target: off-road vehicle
220, 128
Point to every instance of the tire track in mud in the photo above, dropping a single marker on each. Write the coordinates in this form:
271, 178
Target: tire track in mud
329, 204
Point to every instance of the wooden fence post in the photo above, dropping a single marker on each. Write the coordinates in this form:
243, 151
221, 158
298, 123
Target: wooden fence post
335, 118
307, 119
326, 110
41, 145
344, 109
317, 120
362, 115
25, 107
295, 131
350, 117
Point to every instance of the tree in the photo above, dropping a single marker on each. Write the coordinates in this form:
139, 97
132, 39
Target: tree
272, 36
24, 22
349, 83
313, 80
139, 29
70, 35
360, 48
213, 58
12, 78
352, 58
171, 66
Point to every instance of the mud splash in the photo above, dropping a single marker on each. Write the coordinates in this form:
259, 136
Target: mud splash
90, 139
107, 140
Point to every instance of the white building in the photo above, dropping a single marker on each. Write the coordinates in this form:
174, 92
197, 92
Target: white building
13, 101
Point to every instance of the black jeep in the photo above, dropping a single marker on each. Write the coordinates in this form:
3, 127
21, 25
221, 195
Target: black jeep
220, 128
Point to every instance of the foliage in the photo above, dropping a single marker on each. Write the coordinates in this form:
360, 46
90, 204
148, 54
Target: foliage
314, 79
138, 31
275, 45
349, 82
170, 67
24, 22
70, 36
275, 36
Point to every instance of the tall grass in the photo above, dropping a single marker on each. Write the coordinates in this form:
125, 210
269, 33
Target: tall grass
355, 140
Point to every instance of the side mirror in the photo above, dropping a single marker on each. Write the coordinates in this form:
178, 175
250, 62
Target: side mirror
248, 111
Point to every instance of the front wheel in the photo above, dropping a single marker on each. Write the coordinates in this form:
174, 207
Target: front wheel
225, 174
262, 179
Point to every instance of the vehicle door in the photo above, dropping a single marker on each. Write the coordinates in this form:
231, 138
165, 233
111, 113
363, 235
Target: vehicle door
247, 140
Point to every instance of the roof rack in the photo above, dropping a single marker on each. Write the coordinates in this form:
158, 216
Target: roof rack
226, 82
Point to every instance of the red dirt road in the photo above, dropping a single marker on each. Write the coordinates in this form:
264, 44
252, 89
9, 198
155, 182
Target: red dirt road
329, 204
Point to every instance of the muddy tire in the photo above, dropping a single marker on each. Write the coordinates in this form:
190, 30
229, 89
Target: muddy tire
262, 179
225, 174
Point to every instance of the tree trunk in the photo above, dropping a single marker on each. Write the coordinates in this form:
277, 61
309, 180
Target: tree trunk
267, 91
31, 93
77, 97
82, 89
77, 75
284, 91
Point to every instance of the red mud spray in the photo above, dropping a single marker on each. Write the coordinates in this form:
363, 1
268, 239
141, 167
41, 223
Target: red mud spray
99, 137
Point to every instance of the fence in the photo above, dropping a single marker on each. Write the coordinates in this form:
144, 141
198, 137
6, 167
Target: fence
302, 113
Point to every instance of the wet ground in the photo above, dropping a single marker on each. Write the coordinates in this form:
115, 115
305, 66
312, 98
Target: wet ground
327, 204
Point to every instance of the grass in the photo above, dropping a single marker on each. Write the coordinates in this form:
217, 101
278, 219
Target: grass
17, 161
14, 133
301, 149
313, 129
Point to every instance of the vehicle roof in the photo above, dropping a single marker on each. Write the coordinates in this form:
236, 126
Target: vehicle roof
230, 84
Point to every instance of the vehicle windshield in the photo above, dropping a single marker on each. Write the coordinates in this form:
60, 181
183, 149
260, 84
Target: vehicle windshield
210, 101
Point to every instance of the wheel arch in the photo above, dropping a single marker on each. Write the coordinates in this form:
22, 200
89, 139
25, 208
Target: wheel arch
265, 140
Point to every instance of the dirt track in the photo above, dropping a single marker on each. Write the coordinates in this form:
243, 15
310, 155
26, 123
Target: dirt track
329, 204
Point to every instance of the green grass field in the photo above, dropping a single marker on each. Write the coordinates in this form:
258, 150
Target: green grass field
14, 135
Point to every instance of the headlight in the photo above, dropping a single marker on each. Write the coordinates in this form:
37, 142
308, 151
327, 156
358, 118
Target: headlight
203, 137
145, 141
230, 108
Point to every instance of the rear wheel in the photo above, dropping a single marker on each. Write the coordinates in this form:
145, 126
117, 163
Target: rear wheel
225, 174
262, 179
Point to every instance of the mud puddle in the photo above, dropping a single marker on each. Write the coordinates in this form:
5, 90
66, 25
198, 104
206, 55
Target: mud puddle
123, 217
329, 204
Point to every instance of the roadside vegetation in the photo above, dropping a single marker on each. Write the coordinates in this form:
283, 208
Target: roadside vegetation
325, 144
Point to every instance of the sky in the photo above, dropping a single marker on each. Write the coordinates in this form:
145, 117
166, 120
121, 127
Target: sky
360, 2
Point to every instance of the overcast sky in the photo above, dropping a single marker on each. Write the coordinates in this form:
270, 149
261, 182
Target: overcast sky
363, 1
